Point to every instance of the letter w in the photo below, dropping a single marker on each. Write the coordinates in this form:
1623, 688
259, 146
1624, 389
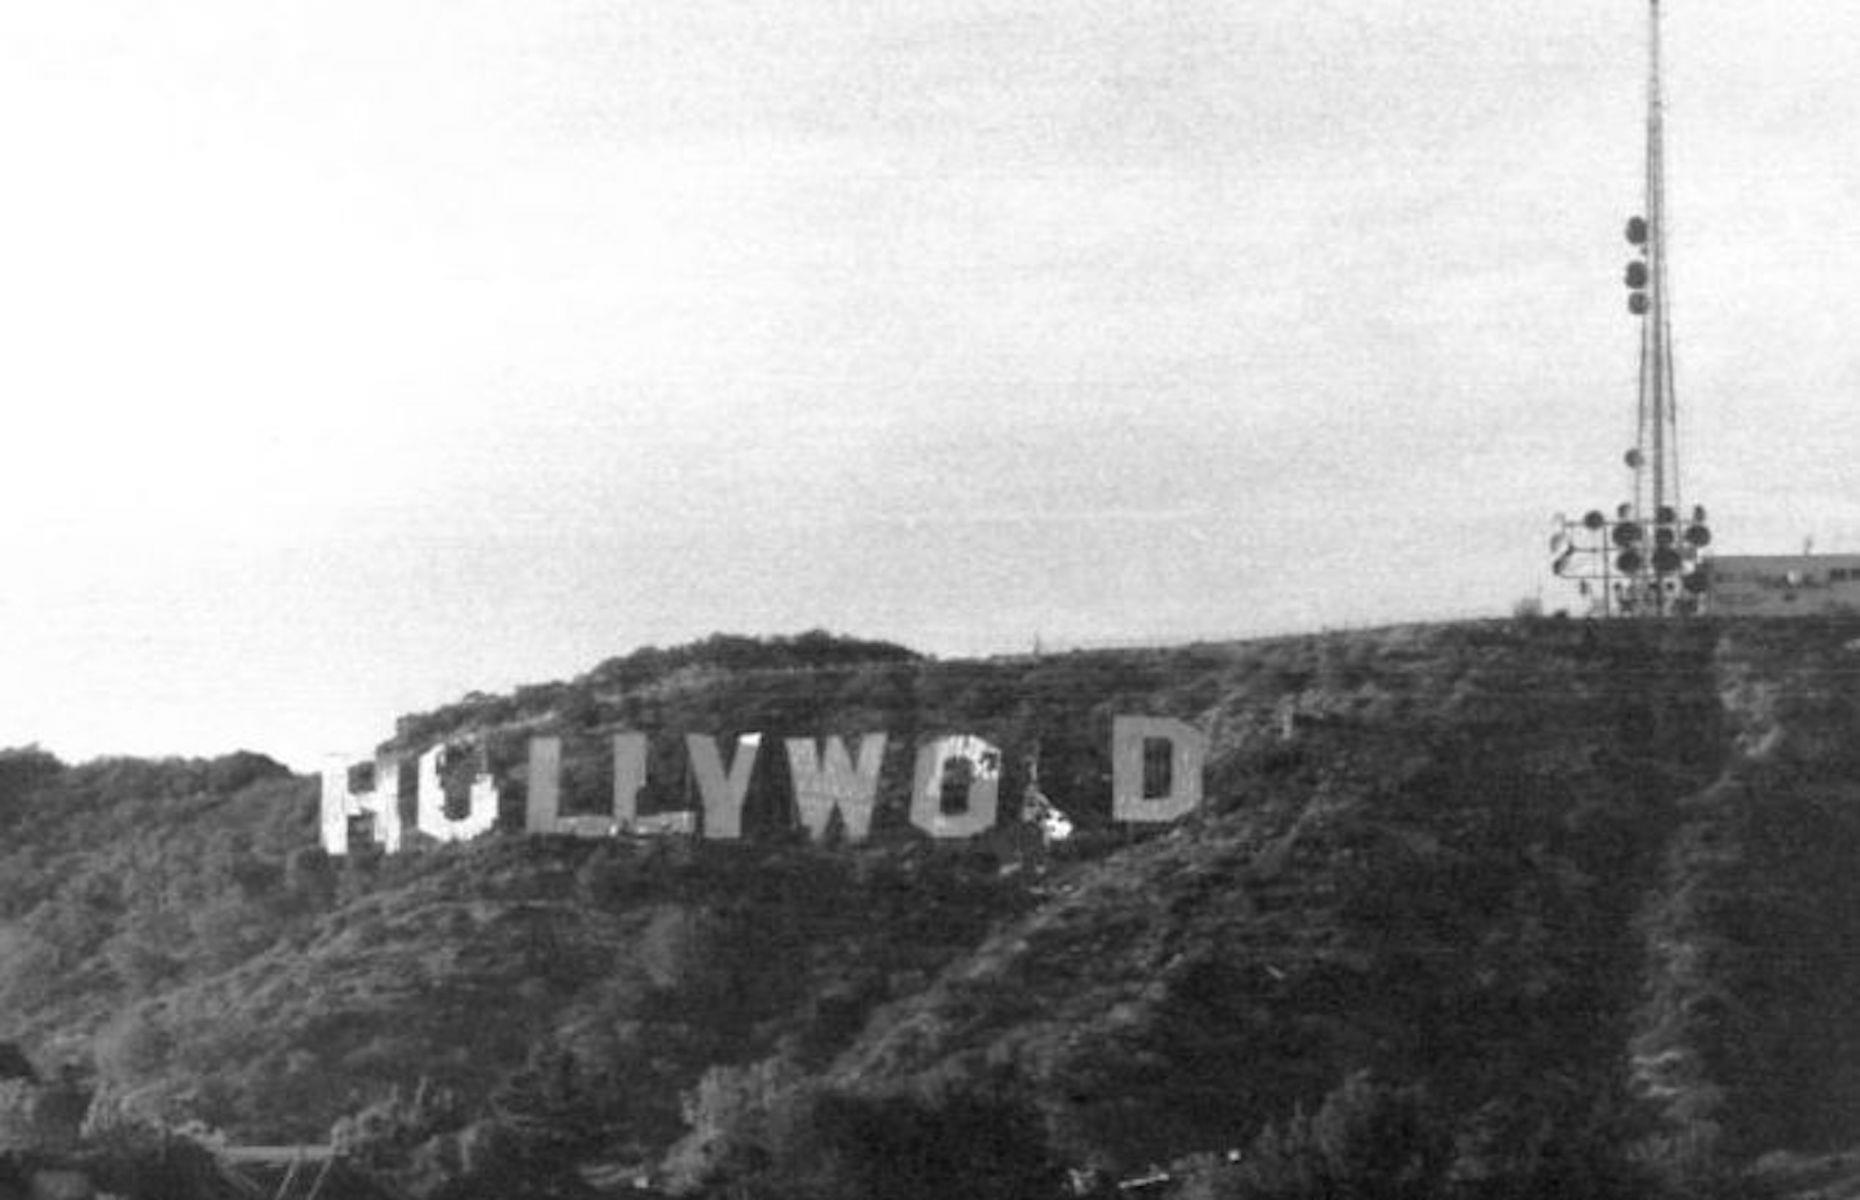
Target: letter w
820, 786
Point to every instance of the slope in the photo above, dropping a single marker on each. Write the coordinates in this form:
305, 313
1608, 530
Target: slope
1581, 888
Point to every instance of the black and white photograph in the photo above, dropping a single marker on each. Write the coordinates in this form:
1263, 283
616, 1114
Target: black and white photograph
1002, 599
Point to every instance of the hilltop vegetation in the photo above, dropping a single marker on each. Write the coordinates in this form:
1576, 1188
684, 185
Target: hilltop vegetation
1531, 908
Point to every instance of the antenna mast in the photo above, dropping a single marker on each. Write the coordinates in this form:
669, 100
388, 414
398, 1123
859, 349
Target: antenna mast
1646, 560
1656, 455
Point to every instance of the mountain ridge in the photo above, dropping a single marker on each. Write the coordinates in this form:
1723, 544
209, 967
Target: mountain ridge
1518, 880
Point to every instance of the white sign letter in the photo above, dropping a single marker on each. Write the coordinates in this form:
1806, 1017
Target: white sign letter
430, 816
543, 813
829, 781
1188, 753
339, 804
978, 815
723, 795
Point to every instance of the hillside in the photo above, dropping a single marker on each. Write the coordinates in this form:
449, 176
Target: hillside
1511, 908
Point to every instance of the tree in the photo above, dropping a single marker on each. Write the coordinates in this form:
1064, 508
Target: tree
1369, 1141
24, 770
984, 1142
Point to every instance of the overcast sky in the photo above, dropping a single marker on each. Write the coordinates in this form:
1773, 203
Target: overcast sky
361, 353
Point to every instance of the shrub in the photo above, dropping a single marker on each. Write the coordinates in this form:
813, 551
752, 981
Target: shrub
980, 1143
1369, 1141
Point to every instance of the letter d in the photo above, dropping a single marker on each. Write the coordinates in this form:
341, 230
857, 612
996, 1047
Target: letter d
1188, 754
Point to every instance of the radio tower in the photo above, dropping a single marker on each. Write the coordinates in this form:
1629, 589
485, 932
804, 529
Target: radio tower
1646, 559
1655, 457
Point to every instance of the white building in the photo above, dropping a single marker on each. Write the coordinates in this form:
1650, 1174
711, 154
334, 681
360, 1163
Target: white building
1784, 585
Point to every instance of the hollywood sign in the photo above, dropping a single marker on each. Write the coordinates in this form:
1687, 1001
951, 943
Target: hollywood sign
829, 782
